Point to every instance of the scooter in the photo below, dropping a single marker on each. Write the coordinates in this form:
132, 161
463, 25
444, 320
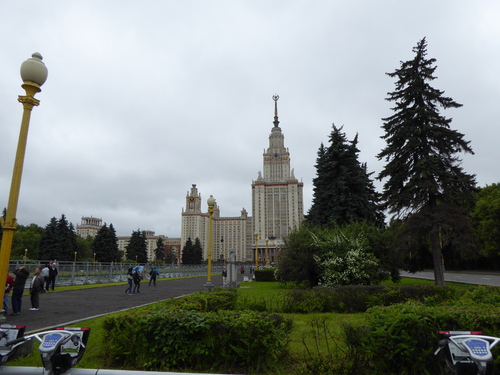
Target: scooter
60, 349
467, 352
10, 349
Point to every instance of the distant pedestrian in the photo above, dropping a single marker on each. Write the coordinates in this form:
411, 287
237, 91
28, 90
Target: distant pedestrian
35, 288
8, 287
242, 270
130, 277
152, 276
52, 275
45, 275
18, 288
137, 281
224, 276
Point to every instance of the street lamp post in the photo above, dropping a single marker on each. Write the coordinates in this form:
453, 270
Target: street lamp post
211, 204
34, 74
256, 251
267, 253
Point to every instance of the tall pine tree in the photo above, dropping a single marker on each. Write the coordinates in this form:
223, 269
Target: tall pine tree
343, 191
58, 242
136, 248
160, 250
105, 245
187, 252
197, 252
424, 181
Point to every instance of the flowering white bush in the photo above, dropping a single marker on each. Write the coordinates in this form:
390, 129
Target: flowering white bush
344, 261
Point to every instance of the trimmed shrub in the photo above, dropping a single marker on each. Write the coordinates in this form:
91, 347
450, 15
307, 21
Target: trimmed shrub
215, 300
264, 275
166, 339
354, 299
402, 338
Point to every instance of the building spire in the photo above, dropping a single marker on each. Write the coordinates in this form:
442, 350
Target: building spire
276, 122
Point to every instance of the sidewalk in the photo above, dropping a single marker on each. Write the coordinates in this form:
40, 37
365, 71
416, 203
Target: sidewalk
61, 308
457, 277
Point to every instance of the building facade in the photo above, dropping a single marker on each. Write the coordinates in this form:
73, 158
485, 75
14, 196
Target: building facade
227, 232
151, 239
89, 226
277, 196
277, 207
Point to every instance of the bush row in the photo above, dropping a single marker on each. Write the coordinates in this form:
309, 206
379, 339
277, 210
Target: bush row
355, 299
202, 338
402, 338
265, 275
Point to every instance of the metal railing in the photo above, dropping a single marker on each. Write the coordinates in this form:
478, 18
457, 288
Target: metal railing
80, 273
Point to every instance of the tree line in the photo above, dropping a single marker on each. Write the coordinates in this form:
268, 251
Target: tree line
430, 214
438, 217
58, 241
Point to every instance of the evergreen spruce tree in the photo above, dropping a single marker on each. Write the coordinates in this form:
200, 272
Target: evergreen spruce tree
160, 250
343, 191
424, 181
187, 252
114, 252
105, 246
66, 245
49, 243
170, 256
197, 252
136, 249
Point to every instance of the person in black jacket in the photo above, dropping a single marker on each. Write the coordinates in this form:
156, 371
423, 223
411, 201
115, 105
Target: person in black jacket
18, 288
137, 280
52, 275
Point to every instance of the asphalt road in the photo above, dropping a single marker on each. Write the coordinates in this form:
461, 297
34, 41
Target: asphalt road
466, 278
60, 308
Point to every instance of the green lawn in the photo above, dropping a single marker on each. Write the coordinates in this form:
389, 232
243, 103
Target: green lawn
312, 333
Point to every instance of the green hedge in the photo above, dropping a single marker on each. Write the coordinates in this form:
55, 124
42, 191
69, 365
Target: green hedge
172, 338
355, 299
402, 338
265, 275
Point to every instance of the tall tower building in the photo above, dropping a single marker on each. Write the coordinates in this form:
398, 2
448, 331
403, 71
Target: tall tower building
277, 196
277, 205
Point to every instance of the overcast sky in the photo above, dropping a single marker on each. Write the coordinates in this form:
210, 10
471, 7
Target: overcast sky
146, 98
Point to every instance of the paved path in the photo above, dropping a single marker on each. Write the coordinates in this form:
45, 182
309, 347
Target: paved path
467, 278
61, 308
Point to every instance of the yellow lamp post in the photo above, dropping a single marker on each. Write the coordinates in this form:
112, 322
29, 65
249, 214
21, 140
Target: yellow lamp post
25, 255
267, 253
211, 204
34, 74
256, 251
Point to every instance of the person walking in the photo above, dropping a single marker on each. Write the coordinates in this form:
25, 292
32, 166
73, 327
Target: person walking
8, 287
45, 275
130, 277
35, 288
224, 276
137, 281
18, 288
152, 276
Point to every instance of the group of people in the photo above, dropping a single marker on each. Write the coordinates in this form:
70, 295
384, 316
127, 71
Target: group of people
134, 276
49, 274
42, 280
